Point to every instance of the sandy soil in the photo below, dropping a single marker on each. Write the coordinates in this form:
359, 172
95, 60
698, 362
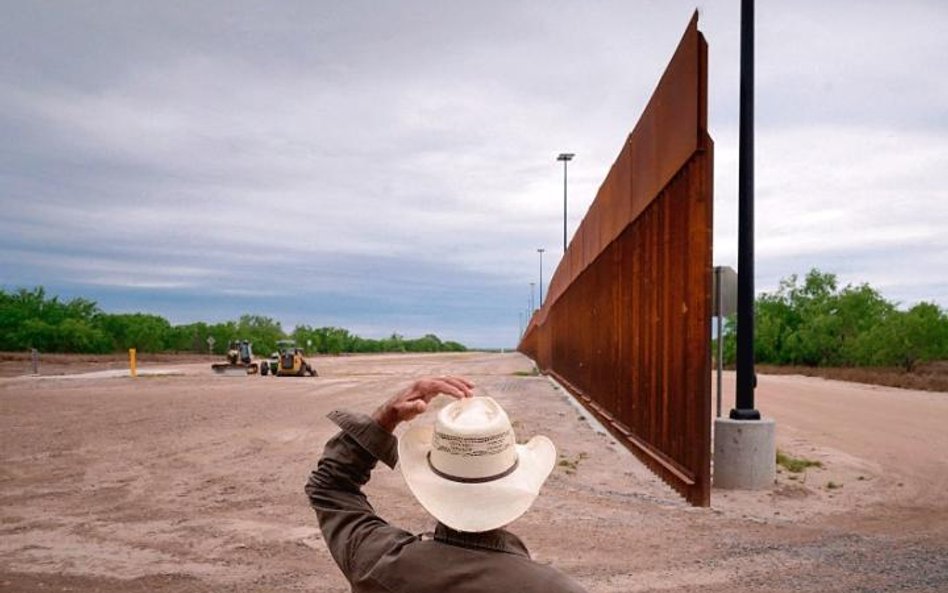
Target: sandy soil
187, 481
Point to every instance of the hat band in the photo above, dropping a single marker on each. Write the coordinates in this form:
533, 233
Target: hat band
502, 474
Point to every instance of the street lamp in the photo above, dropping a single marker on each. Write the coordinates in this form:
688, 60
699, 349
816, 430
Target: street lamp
540, 250
746, 378
565, 157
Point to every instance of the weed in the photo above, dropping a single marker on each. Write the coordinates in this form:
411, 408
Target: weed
571, 465
795, 464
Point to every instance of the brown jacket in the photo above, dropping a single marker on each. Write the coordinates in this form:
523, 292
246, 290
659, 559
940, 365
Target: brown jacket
378, 557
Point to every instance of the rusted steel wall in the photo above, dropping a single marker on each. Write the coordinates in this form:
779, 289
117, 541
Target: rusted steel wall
626, 323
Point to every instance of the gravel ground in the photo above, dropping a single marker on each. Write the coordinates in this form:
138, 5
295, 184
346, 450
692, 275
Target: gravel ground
193, 482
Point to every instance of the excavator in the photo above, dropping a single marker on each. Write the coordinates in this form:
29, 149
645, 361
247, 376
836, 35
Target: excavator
239, 360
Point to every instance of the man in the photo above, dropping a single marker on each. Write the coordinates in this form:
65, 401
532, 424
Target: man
467, 471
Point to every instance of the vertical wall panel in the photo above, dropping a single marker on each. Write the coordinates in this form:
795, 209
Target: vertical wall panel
626, 327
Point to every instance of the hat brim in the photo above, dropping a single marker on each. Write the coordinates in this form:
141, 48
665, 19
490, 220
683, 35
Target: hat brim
475, 507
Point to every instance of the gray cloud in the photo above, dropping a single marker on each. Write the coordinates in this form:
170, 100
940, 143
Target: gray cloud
389, 166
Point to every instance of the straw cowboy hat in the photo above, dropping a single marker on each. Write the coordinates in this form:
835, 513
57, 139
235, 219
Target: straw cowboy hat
468, 470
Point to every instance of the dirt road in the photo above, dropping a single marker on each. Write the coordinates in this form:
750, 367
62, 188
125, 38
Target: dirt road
193, 482
904, 433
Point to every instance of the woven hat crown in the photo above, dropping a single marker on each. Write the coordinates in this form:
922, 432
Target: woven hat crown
473, 441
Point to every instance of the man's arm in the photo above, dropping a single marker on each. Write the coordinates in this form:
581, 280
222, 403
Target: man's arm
355, 535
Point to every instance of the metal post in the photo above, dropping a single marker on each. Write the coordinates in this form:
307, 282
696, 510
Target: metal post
720, 364
744, 406
565, 157
540, 251
132, 363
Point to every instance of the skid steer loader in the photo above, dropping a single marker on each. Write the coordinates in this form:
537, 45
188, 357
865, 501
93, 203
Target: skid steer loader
288, 362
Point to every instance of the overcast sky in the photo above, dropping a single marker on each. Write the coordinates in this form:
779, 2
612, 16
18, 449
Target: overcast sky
390, 166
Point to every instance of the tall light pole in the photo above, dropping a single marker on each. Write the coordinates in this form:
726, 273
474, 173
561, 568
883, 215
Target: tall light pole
746, 380
540, 250
565, 157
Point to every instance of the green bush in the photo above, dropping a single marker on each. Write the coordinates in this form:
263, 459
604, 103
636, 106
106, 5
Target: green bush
817, 324
146, 333
31, 319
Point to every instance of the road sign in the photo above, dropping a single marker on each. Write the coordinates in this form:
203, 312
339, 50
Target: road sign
723, 303
724, 292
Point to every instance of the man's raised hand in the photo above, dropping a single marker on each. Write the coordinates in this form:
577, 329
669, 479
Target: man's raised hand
413, 400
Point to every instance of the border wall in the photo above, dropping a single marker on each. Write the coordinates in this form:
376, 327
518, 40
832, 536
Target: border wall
626, 325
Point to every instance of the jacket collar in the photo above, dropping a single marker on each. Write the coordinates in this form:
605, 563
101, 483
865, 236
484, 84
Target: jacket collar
497, 540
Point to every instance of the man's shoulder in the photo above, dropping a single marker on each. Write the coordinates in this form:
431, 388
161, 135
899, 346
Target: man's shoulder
428, 565
550, 579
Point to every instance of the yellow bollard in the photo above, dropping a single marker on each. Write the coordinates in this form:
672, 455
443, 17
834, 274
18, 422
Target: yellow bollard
131, 362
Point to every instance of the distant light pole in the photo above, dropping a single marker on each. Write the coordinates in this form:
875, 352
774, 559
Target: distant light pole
565, 157
532, 289
540, 250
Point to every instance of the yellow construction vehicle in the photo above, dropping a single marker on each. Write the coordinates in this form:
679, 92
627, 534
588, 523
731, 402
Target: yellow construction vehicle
288, 362
239, 360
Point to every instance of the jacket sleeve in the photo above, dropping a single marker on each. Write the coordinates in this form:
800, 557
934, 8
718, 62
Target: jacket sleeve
356, 537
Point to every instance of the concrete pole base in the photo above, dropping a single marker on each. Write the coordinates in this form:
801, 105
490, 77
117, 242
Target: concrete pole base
745, 453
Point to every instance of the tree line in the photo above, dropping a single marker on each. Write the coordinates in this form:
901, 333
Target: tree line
32, 319
816, 323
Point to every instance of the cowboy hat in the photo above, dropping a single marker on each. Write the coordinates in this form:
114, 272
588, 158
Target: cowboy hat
468, 470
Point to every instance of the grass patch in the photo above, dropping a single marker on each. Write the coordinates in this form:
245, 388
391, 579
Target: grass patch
533, 373
571, 465
795, 464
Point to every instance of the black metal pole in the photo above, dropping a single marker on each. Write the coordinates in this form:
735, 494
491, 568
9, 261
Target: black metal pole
566, 157
744, 406
564, 204
540, 302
